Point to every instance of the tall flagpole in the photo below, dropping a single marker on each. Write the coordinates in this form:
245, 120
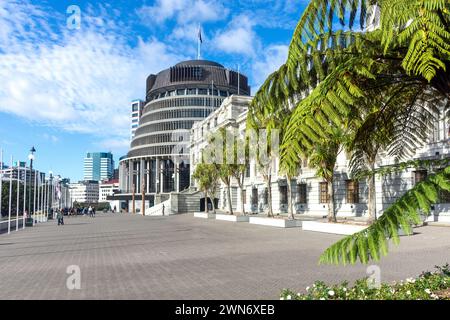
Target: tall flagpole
34, 194
10, 196
17, 196
239, 79
199, 42
1, 182
24, 195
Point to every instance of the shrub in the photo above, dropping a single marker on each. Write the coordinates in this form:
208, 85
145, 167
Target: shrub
427, 286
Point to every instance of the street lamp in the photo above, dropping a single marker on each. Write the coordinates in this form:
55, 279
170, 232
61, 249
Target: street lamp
31, 158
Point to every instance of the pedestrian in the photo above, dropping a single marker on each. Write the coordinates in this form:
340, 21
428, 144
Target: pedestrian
163, 207
59, 217
90, 211
93, 212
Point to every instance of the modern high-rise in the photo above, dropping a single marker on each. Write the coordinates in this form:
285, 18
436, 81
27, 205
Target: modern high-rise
98, 166
136, 111
176, 98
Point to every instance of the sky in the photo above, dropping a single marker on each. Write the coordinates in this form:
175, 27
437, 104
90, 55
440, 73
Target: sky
66, 84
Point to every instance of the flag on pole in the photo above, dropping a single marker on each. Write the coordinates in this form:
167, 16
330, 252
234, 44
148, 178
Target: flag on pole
200, 34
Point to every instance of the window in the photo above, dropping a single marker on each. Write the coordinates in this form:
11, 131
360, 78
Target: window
352, 187
135, 107
180, 92
283, 195
247, 170
301, 193
266, 196
203, 92
254, 197
223, 93
323, 192
135, 115
192, 91
420, 175
444, 196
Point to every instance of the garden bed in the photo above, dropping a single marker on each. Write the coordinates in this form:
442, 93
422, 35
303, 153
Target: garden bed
279, 222
204, 215
427, 286
232, 218
334, 228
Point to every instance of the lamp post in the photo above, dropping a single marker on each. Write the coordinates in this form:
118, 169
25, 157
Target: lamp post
31, 157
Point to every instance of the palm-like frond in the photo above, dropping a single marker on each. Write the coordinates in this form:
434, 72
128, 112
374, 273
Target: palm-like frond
372, 243
422, 27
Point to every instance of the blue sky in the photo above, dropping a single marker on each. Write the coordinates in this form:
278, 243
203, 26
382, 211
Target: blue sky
67, 91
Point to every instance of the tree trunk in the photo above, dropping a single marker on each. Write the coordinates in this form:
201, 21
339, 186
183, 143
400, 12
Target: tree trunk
230, 205
331, 208
289, 198
213, 204
269, 196
371, 201
241, 187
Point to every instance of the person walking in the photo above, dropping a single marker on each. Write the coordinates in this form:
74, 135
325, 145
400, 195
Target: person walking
59, 216
90, 211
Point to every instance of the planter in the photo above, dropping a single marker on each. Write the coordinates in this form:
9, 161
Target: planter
334, 228
272, 222
232, 218
204, 215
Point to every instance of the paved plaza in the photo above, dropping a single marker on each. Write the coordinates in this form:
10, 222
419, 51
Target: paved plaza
122, 256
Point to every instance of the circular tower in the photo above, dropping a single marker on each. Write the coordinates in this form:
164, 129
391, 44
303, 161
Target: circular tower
175, 99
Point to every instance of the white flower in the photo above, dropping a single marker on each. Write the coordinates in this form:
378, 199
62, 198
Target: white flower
344, 289
282, 298
392, 291
411, 280
408, 293
428, 291
331, 293
299, 294
288, 297
434, 296
322, 298
307, 288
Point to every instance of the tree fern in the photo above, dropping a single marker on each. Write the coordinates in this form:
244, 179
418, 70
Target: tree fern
371, 244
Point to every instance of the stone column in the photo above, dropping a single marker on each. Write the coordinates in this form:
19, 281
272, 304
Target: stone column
158, 176
148, 166
161, 178
130, 175
177, 176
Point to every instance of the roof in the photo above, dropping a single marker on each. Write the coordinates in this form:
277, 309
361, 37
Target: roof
199, 63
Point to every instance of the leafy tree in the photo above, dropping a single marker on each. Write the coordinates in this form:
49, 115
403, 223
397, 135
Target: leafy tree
207, 177
399, 64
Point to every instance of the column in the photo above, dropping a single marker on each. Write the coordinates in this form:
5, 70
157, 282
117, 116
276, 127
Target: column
177, 176
130, 176
161, 178
158, 176
148, 166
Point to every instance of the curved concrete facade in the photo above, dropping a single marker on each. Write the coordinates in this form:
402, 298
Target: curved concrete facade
176, 98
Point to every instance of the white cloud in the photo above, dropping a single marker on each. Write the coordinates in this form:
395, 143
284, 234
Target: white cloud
81, 80
272, 58
184, 11
238, 38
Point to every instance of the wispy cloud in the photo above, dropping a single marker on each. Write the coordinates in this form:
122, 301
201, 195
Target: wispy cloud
238, 38
184, 11
77, 80
269, 61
